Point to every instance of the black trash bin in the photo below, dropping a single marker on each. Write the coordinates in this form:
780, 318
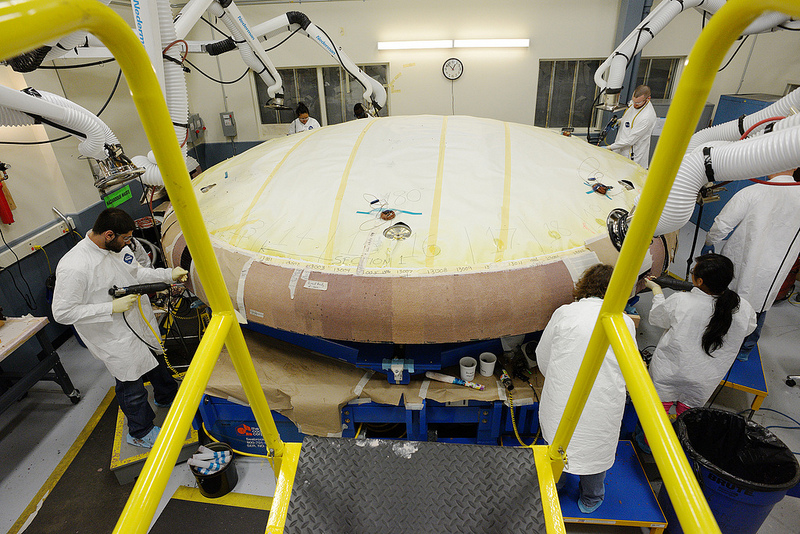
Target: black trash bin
743, 468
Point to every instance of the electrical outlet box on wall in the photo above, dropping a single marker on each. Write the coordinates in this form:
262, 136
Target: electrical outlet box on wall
197, 128
28, 245
228, 124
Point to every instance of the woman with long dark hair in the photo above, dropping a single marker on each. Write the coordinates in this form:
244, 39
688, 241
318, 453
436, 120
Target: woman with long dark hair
705, 328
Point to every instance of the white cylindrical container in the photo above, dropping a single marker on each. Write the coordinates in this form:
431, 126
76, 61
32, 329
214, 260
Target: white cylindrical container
488, 361
468, 366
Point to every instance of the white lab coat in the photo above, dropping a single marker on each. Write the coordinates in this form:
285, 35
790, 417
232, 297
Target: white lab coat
83, 277
765, 221
633, 138
559, 355
140, 253
296, 126
680, 368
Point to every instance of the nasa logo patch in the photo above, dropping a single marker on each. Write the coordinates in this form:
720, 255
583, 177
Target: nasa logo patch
128, 258
627, 124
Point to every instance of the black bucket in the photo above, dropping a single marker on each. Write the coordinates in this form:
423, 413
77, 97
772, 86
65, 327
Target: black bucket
219, 483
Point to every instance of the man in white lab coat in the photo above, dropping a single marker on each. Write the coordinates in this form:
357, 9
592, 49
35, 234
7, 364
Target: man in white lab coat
636, 127
764, 226
122, 341
593, 447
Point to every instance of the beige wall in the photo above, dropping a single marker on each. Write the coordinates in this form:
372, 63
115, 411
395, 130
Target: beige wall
499, 84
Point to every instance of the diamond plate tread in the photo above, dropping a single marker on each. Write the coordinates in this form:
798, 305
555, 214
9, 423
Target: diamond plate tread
374, 486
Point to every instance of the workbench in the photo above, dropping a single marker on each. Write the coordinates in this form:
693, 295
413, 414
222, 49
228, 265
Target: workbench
14, 333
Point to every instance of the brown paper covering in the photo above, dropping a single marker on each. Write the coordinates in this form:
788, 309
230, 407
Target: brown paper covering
311, 389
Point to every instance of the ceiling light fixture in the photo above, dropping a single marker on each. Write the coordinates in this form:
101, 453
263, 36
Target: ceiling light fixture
491, 43
457, 43
407, 45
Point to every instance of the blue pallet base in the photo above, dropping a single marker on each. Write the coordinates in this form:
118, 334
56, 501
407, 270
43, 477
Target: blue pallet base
381, 357
476, 422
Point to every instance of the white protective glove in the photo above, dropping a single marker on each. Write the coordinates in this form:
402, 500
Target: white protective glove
655, 288
123, 304
179, 274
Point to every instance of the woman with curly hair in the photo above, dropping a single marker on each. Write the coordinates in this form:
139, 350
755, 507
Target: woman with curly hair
559, 354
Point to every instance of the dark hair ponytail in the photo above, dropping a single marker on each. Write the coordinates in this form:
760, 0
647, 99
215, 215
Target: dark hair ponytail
716, 272
724, 307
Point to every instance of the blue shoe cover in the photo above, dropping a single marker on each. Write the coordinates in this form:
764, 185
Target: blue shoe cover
147, 441
588, 509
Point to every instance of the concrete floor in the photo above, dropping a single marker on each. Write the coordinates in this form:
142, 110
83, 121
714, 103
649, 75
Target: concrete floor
36, 432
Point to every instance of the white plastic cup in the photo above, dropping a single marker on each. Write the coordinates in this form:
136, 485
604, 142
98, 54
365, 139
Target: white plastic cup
468, 366
488, 361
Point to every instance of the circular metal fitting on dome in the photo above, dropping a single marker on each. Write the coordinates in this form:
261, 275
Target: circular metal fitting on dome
398, 231
617, 224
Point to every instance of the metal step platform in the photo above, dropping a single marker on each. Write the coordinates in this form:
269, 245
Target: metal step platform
354, 486
189, 511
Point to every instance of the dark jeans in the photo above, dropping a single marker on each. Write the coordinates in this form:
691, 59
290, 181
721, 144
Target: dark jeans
132, 398
592, 489
750, 341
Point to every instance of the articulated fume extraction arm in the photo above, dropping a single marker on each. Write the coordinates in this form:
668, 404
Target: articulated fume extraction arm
292, 21
764, 143
163, 38
611, 73
29, 106
760, 144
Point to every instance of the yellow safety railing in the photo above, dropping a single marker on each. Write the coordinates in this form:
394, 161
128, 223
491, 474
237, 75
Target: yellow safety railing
684, 113
25, 25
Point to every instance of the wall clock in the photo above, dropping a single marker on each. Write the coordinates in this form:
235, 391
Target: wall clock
453, 68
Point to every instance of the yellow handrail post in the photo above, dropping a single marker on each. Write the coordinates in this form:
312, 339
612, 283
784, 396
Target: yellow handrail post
142, 504
693, 89
25, 25
587, 373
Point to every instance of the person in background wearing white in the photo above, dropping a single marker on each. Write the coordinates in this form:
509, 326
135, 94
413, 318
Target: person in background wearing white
636, 127
759, 230
704, 329
593, 447
125, 344
303, 122
140, 253
359, 111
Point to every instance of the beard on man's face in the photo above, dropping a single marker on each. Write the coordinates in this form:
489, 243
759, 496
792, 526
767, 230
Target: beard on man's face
115, 245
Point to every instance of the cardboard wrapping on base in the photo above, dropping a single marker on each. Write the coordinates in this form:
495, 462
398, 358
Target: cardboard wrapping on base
311, 389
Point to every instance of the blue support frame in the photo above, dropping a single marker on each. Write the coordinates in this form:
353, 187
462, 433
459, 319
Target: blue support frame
236, 425
415, 359
527, 418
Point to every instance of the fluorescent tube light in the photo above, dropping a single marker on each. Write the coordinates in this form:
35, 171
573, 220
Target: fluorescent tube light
491, 43
406, 45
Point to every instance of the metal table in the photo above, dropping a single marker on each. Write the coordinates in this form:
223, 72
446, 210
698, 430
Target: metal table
13, 334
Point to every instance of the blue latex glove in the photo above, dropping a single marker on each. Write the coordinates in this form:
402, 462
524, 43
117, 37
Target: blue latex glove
707, 249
